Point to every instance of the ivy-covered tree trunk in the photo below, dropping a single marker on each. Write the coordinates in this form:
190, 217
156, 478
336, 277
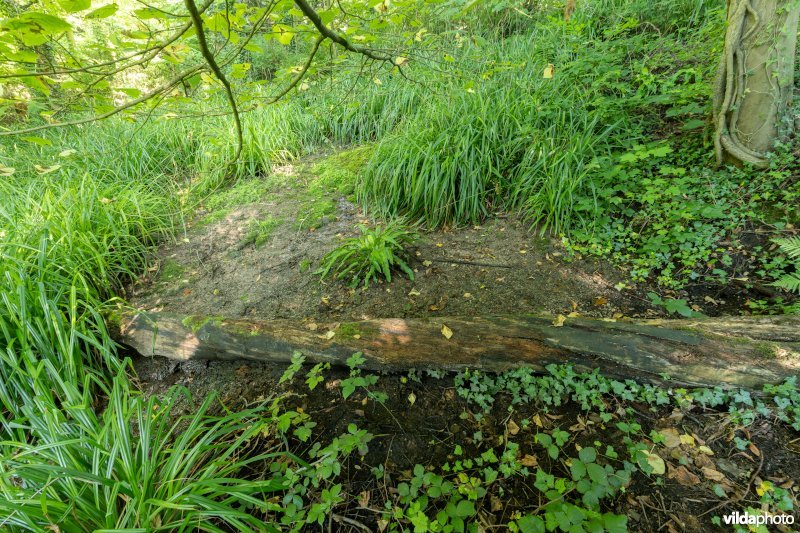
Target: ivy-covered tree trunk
755, 81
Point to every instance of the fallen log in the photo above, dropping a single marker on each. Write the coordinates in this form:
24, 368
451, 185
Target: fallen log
737, 351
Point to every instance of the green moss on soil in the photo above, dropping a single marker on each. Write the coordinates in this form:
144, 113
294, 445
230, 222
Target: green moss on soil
260, 232
170, 271
339, 172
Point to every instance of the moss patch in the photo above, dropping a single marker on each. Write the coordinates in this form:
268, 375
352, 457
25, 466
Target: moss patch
244, 192
349, 329
339, 172
170, 271
196, 322
313, 211
765, 350
259, 232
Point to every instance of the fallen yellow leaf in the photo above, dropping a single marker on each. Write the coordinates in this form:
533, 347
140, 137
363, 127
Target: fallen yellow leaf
447, 332
656, 462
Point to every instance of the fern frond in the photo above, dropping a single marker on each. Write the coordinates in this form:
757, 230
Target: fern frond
790, 246
790, 282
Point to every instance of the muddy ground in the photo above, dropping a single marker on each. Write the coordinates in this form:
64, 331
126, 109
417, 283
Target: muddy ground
499, 267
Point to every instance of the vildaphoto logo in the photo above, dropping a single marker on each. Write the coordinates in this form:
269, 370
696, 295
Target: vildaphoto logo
766, 519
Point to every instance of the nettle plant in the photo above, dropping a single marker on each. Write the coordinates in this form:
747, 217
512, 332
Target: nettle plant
372, 255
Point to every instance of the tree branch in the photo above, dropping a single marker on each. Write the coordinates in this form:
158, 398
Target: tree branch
300, 74
209, 57
315, 19
162, 88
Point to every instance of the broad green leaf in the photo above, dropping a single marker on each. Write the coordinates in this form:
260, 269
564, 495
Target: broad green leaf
103, 12
73, 6
148, 13
33, 28
130, 91
588, 455
282, 34
37, 140
239, 70
23, 56
138, 34
36, 83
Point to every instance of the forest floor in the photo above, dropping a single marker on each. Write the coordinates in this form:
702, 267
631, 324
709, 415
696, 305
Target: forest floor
714, 464
251, 252
254, 253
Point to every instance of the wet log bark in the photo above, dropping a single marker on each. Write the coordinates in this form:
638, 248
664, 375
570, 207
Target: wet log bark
739, 351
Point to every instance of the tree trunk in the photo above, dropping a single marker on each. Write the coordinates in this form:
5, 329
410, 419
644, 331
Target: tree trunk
745, 352
755, 81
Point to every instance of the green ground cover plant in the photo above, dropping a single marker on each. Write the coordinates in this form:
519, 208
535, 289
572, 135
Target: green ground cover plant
371, 255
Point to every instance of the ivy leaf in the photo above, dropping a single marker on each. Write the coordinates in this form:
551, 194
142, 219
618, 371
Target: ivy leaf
588, 455
615, 523
465, 509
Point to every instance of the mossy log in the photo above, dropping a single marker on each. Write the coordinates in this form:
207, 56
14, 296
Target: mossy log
739, 351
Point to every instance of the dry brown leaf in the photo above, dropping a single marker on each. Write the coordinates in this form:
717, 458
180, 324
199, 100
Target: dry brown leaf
600, 301
513, 428
497, 505
529, 460
671, 437
703, 461
682, 475
712, 474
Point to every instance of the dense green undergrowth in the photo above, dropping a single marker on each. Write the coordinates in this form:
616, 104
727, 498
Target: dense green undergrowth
581, 153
